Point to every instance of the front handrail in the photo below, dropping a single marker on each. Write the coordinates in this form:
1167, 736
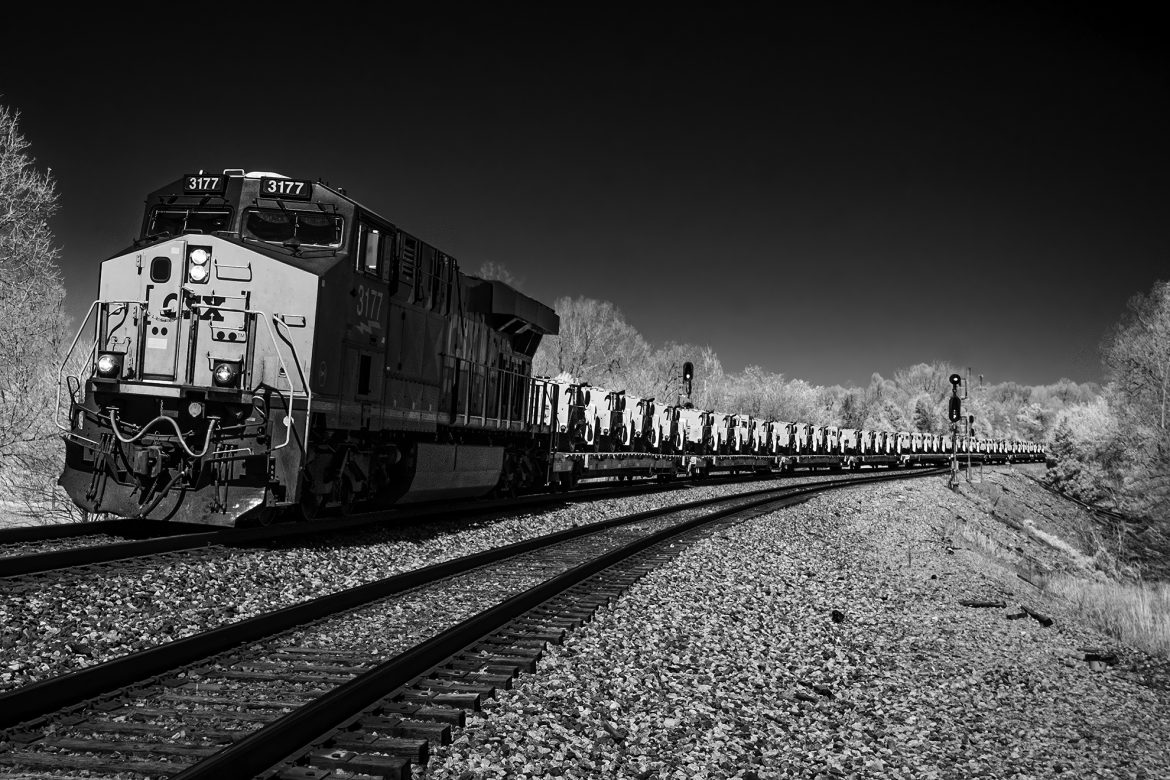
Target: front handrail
300, 375
263, 316
69, 355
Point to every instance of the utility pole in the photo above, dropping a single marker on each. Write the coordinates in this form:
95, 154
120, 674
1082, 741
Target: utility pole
970, 426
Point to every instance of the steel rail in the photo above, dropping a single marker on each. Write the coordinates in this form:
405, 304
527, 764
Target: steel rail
195, 537
41, 533
190, 537
36, 700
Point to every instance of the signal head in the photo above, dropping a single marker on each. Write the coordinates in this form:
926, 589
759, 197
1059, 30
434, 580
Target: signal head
956, 380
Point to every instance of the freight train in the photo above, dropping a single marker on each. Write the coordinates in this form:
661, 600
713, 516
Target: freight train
269, 343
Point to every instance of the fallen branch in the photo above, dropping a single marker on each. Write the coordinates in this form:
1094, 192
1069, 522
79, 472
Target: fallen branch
1101, 656
976, 603
1027, 580
1043, 620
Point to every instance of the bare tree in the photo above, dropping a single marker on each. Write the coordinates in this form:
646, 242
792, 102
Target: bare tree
595, 345
499, 272
33, 328
1137, 357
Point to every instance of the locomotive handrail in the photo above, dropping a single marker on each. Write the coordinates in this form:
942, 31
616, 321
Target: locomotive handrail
512, 389
288, 421
69, 355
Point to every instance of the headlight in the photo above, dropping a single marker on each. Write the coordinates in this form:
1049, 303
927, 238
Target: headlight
198, 263
109, 365
226, 374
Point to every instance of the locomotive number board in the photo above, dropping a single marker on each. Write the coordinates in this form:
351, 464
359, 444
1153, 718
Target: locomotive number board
203, 183
286, 189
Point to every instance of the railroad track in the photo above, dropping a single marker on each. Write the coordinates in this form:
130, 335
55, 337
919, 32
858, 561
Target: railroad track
38, 550
391, 664
22, 541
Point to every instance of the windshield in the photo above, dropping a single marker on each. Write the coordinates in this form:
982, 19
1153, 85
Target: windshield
177, 220
314, 228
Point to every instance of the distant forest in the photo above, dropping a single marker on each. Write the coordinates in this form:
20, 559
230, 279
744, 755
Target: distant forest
597, 345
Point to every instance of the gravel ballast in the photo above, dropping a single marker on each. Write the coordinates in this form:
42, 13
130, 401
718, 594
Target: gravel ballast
80, 619
828, 640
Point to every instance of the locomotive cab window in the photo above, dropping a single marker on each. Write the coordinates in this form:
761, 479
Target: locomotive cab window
301, 228
369, 254
175, 221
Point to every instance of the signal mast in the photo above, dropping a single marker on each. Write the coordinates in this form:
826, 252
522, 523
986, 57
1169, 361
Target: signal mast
956, 414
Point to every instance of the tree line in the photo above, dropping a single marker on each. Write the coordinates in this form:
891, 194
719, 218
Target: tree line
33, 331
1115, 449
599, 346
1111, 443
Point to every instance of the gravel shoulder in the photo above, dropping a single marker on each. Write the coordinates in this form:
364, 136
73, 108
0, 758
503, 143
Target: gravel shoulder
827, 640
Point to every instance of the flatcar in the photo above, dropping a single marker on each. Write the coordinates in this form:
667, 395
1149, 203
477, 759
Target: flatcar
269, 344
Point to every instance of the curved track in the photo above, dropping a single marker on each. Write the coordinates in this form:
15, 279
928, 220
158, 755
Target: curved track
298, 674
29, 559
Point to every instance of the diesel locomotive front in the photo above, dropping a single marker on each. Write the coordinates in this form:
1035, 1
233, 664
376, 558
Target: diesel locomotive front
269, 342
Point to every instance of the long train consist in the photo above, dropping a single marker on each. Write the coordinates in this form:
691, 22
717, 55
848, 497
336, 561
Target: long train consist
269, 343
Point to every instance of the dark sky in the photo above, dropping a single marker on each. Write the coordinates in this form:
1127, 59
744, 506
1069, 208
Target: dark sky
825, 194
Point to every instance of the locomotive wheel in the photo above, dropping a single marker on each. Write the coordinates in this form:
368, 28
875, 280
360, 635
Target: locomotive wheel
343, 492
269, 515
311, 505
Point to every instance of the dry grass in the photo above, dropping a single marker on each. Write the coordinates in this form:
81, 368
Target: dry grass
1138, 614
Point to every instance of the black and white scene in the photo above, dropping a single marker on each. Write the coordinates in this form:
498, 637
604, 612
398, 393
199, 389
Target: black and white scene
672, 393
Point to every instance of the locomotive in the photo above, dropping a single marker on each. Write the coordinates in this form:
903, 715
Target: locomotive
269, 343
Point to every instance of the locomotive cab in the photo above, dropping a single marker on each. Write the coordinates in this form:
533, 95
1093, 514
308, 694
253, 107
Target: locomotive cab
194, 367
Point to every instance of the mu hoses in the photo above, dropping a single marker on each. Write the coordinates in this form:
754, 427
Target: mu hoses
178, 433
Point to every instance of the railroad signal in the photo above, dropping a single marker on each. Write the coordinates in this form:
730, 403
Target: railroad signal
956, 414
956, 408
688, 375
